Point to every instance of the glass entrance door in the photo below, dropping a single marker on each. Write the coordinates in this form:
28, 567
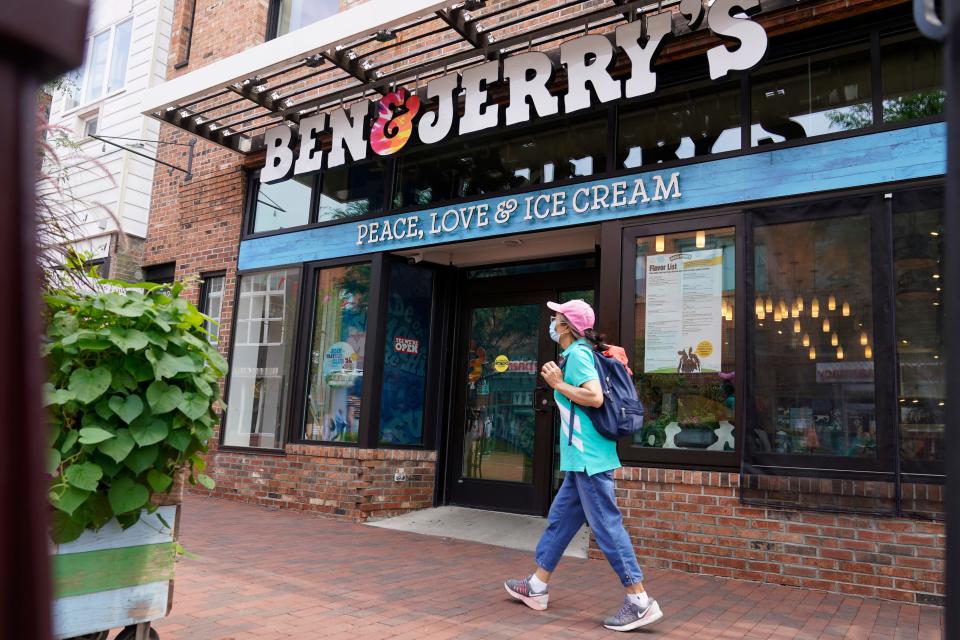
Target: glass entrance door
502, 443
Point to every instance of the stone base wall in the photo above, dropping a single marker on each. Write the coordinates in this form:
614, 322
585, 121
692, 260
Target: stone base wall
342, 482
695, 521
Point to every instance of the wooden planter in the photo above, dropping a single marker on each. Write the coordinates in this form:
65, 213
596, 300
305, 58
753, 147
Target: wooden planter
114, 578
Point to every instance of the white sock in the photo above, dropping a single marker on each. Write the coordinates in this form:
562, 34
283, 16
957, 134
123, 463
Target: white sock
639, 599
538, 585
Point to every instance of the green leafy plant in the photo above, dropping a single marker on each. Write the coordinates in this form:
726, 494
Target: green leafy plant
133, 381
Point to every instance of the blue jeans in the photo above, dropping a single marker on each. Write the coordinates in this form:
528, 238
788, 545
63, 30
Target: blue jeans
589, 499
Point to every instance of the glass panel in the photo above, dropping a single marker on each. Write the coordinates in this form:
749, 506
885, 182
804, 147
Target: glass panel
259, 369
694, 123
685, 349
299, 13
912, 71
283, 204
531, 267
406, 354
335, 377
502, 373
121, 53
918, 254
97, 67
352, 191
212, 305
813, 350
812, 96
476, 168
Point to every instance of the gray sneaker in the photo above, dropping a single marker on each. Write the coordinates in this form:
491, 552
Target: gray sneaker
632, 616
523, 591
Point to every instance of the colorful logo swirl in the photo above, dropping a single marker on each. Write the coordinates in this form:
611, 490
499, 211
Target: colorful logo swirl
394, 124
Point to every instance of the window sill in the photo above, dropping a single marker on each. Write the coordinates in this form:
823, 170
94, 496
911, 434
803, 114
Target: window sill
93, 104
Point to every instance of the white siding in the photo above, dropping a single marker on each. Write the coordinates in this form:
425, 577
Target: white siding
115, 179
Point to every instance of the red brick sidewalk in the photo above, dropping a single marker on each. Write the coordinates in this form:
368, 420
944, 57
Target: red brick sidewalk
267, 574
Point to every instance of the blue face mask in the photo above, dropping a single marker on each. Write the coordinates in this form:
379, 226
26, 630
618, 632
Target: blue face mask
553, 331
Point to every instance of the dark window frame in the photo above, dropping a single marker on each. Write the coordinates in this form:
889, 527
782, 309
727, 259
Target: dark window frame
273, 20
203, 302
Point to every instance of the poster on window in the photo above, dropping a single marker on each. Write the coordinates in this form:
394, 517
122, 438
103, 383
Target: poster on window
684, 313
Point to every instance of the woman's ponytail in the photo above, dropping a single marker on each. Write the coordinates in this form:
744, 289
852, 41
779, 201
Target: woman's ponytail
598, 340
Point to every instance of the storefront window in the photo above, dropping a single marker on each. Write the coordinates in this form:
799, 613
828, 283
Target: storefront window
811, 96
336, 354
476, 168
352, 191
262, 349
812, 353
283, 204
918, 254
912, 71
405, 356
291, 15
685, 349
689, 125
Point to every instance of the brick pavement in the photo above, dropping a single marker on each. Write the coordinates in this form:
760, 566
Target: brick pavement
265, 574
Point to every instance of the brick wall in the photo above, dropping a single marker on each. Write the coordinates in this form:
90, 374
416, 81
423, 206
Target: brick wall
343, 482
694, 521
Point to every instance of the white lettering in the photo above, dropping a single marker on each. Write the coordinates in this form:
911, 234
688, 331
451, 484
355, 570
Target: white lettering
639, 192
477, 114
545, 199
598, 200
348, 134
575, 54
434, 126
559, 208
663, 193
752, 37
529, 74
619, 194
279, 155
652, 31
585, 192
310, 159
362, 232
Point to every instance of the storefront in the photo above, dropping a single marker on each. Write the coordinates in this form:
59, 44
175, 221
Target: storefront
760, 228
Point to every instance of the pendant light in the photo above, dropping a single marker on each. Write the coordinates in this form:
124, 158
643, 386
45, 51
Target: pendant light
776, 316
839, 353
701, 239
832, 303
660, 244
806, 339
796, 326
758, 306
814, 308
795, 312
762, 315
846, 309
799, 303
834, 340
813, 353
769, 305
867, 352
782, 306
826, 325
864, 340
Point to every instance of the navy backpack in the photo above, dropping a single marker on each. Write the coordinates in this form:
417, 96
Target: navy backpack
621, 413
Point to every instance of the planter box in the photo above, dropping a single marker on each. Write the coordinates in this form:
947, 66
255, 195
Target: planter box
113, 578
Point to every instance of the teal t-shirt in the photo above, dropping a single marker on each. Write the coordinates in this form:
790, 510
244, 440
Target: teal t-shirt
589, 451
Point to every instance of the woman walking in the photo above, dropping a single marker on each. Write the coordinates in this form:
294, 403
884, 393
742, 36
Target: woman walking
589, 461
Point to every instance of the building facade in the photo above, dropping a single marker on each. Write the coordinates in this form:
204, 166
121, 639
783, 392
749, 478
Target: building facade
749, 194
126, 54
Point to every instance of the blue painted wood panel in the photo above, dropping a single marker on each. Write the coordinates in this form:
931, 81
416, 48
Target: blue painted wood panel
877, 158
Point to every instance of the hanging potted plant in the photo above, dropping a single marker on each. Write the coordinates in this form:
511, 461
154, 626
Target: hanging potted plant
133, 380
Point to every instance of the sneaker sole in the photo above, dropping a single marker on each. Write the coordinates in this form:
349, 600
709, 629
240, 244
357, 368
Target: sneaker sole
530, 601
640, 622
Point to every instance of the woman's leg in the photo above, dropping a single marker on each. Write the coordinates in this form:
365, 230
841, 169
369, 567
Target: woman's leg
606, 524
563, 522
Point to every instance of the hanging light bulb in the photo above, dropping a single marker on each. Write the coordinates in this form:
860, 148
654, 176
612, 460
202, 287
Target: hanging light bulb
814, 308
730, 313
799, 303
867, 352
782, 307
768, 305
806, 339
832, 303
777, 317
701, 239
839, 353
813, 353
796, 326
846, 309
834, 340
826, 325
758, 306
762, 315
660, 244
864, 340
795, 312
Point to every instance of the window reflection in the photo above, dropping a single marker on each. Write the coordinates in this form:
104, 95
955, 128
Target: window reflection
283, 204
352, 191
476, 168
917, 254
813, 346
912, 71
684, 361
812, 96
674, 128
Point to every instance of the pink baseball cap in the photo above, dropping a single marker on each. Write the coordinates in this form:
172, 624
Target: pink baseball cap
579, 313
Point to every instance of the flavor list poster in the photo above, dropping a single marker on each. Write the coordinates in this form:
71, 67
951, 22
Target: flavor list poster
683, 315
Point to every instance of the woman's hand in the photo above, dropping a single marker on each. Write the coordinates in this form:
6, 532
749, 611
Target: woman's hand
552, 374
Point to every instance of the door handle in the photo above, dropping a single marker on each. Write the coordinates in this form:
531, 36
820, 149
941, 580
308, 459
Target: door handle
544, 406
